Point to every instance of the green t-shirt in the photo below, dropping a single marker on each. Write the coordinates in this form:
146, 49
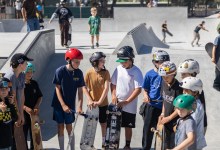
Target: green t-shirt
94, 22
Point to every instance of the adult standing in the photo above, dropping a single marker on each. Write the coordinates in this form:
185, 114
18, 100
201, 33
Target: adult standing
29, 15
196, 33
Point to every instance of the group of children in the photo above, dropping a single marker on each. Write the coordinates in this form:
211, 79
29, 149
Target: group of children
20, 97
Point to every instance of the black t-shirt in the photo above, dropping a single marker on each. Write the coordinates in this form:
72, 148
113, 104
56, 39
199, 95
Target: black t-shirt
32, 92
63, 13
169, 93
6, 125
164, 27
198, 28
202, 99
30, 7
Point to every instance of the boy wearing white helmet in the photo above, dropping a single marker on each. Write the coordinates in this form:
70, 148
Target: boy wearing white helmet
190, 68
193, 86
169, 89
152, 102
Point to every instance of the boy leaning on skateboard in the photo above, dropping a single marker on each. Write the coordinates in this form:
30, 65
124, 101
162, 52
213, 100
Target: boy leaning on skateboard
68, 79
185, 137
33, 99
169, 89
126, 84
8, 115
215, 50
97, 81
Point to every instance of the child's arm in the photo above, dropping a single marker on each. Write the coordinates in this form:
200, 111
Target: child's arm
52, 17
104, 93
90, 102
36, 107
113, 91
187, 142
60, 98
80, 100
213, 53
146, 96
169, 118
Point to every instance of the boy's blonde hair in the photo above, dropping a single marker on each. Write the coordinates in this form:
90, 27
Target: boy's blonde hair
93, 9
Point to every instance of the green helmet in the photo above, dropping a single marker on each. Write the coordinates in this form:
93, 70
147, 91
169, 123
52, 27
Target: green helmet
30, 67
184, 101
218, 27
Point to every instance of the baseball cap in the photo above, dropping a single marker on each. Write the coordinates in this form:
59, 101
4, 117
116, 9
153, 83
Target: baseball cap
122, 60
19, 58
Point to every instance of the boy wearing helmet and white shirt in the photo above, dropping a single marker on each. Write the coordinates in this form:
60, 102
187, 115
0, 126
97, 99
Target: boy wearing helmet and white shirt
97, 81
193, 86
68, 79
190, 68
152, 98
33, 99
170, 89
126, 86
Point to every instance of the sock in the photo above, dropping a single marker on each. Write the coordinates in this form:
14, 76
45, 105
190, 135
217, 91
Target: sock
103, 140
61, 142
72, 144
128, 143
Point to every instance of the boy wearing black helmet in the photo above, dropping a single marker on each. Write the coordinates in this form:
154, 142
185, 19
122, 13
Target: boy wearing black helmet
126, 84
152, 101
97, 81
7, 114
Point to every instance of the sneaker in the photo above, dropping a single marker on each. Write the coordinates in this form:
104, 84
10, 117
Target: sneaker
92, 47
97, 44
127, 148
198, 44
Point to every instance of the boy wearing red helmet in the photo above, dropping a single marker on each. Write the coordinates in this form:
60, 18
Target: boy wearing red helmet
68, 79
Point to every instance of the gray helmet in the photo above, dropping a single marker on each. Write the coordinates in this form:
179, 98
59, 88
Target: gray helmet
95, 58
161, 55
125, 52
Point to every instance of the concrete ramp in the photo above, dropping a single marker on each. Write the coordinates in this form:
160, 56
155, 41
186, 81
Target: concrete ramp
141, 40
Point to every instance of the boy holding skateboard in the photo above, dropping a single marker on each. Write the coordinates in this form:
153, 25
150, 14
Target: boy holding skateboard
169, 89
165, 31
33, 99
126, 84
185, 137
215, 51
152, 98
94, 26
68, 79
8, 114
193, 86
97, 81
65, 18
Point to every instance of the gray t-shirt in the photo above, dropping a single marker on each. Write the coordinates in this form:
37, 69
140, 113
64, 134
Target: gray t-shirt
183, 128
18, 84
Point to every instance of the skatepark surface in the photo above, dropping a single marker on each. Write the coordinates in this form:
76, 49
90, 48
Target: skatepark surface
179, 50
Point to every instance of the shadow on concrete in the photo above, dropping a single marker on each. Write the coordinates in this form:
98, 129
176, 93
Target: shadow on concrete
145, 50
49, 129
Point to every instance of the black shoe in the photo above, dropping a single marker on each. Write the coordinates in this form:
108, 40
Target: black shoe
97, 44
216, 88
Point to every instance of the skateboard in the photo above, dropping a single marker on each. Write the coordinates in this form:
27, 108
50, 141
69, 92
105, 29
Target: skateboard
89, 129
69, 42
208, 48
114, 119
168, 32
159, 136
36, 132
19, 138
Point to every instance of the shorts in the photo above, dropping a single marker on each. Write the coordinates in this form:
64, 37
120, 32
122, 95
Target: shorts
94, 31
62, 117
102, 114
128, 120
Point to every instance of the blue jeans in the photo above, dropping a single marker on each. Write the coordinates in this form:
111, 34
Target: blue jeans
33, 24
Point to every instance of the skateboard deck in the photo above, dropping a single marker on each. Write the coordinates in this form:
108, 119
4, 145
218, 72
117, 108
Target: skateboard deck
208, 48
36, 132
159, 136
89, 129
114, 119
69, 42
19, 138
168, 32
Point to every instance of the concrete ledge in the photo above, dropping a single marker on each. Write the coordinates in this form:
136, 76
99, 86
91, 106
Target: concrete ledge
39, 45
2, 27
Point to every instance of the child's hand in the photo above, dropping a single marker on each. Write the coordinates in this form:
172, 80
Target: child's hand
165, 120
36, 111
79, 110
28, 110
90, 104
3, 106
95, 104
146, 99
114, 101
66, 109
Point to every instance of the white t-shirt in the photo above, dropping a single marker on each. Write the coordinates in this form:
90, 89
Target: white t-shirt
198, 116
126, 81
18, 5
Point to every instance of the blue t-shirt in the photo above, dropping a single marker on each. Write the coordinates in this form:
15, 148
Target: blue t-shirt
152, 83
69, 82
217, 41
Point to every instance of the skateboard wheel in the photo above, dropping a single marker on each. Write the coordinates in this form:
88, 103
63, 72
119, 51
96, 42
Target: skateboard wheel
36, 125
